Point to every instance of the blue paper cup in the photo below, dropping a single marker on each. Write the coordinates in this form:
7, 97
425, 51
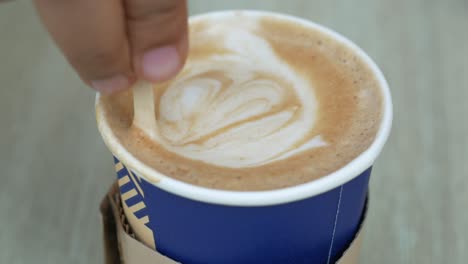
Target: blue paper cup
308, 223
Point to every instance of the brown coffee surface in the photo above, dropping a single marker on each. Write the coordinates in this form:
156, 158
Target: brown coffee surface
240, 129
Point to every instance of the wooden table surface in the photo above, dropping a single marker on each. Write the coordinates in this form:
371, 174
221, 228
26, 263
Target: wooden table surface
55, 168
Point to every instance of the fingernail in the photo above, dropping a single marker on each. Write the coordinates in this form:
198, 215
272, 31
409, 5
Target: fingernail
111, 85
161, 64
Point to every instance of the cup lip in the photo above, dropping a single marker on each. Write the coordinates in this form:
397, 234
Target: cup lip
268, 197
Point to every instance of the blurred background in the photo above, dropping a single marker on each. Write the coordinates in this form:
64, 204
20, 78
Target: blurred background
55, 168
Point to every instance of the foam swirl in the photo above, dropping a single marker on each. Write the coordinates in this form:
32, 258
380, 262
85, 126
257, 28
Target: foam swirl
243, 108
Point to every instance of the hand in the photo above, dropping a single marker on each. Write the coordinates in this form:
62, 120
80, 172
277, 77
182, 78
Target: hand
111, 43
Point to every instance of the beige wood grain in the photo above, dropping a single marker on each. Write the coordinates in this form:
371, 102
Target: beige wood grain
55, 168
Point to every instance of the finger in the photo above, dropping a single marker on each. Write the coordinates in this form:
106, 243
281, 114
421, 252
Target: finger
92, 36
157, 31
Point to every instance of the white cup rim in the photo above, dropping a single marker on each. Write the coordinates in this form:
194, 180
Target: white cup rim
269, 197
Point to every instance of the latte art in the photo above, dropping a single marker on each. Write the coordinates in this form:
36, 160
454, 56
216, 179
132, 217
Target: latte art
239, 109
262, 103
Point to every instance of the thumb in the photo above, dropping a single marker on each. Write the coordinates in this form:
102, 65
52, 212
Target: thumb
157, 31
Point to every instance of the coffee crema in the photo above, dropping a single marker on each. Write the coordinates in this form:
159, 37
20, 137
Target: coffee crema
262, 103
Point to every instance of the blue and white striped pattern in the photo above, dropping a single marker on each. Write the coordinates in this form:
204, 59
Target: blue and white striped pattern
132, 193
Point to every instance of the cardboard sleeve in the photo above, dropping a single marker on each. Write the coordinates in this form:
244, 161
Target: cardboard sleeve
121, 246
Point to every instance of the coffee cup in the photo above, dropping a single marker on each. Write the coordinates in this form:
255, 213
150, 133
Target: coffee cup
308, 222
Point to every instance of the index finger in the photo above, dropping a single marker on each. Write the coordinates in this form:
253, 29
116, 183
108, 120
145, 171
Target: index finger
93, 38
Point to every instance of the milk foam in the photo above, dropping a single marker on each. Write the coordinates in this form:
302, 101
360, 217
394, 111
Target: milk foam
242, 108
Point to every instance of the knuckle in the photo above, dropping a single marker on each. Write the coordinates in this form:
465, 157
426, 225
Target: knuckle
168, 18
143, 9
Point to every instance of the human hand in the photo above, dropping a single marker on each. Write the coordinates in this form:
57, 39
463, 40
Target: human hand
111, 43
